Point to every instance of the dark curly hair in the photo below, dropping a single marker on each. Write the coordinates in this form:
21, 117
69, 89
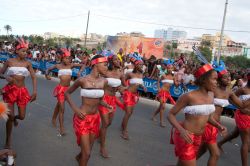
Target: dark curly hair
201, 81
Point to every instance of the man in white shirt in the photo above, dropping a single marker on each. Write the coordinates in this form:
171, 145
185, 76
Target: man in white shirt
93, 53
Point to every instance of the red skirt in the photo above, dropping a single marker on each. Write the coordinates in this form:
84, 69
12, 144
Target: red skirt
164, 95
210, 134
89, 125
130, 99
242, 120
59, 92
112, 101
13, 94
184, 150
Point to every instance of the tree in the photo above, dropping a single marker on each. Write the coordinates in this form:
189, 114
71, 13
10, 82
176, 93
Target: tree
205, 43
239, 62
206, 52
8, 28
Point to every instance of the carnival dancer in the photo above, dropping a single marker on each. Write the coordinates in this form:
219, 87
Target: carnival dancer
115, 78
197, 106
167, 79
130, 96
222, 96
242, 119
15, 91
86, 121
64, 74
128, 66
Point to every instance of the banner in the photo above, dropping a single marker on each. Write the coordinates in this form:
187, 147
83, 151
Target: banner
144, 46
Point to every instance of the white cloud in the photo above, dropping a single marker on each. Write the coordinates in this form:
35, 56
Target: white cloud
196, 13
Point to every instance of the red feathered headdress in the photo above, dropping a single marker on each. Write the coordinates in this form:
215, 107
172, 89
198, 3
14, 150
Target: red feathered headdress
66, 52
22, 44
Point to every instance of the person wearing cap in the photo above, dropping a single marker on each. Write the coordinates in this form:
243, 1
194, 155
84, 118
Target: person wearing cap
15, 91
198, 106
64, 74
86, 120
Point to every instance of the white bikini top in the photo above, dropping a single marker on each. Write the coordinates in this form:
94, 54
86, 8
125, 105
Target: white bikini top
114, 82
167, 81
136, 81
92, 93
244, 97
63, 72
129, 70
204, 109
21, 71
221, 102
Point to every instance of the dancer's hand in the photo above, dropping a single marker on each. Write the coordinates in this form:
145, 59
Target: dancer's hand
223, 131
145, 89
80, 114
33, 97
110, 108
186, 136
10, 80
47, 77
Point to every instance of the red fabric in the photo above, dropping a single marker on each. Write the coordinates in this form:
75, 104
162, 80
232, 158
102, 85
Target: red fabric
202, 70
129, 98
89, 125
242, 120
112, 101
210, 134
13, 94
184, 150
163, 96
59, 92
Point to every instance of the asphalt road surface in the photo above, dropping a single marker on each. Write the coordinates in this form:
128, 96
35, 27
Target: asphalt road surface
37, 143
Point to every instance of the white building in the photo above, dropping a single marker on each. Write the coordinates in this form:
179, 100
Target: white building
170, 34
185, 45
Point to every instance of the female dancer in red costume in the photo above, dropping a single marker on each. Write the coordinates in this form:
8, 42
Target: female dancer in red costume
242, 119
86, 121
15, 91
115, 79
64, 74
130, 96
197, 106
163, 95
222, 94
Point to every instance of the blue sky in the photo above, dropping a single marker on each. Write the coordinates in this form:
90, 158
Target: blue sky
37, 17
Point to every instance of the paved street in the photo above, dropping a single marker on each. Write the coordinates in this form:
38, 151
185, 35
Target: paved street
37, 144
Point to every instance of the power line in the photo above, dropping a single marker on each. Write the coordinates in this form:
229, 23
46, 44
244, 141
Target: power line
48, 19
169, 25
130, 20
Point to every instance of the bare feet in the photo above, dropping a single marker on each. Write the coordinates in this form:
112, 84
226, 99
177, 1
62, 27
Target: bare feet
104, 153
15, 122
62, 132
154, 119
162, 124
124, 135
78, 157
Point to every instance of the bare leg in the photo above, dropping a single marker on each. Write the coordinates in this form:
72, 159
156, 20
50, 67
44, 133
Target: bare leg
128, 113
55, 114
61, 118
234, 134
156, 112
103, 131
85, 150
202, 150
9, 126
162, 109
244, 147
186, 162
214, 154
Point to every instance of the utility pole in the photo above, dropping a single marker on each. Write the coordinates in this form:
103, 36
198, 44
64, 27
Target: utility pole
86, 30
222, 31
